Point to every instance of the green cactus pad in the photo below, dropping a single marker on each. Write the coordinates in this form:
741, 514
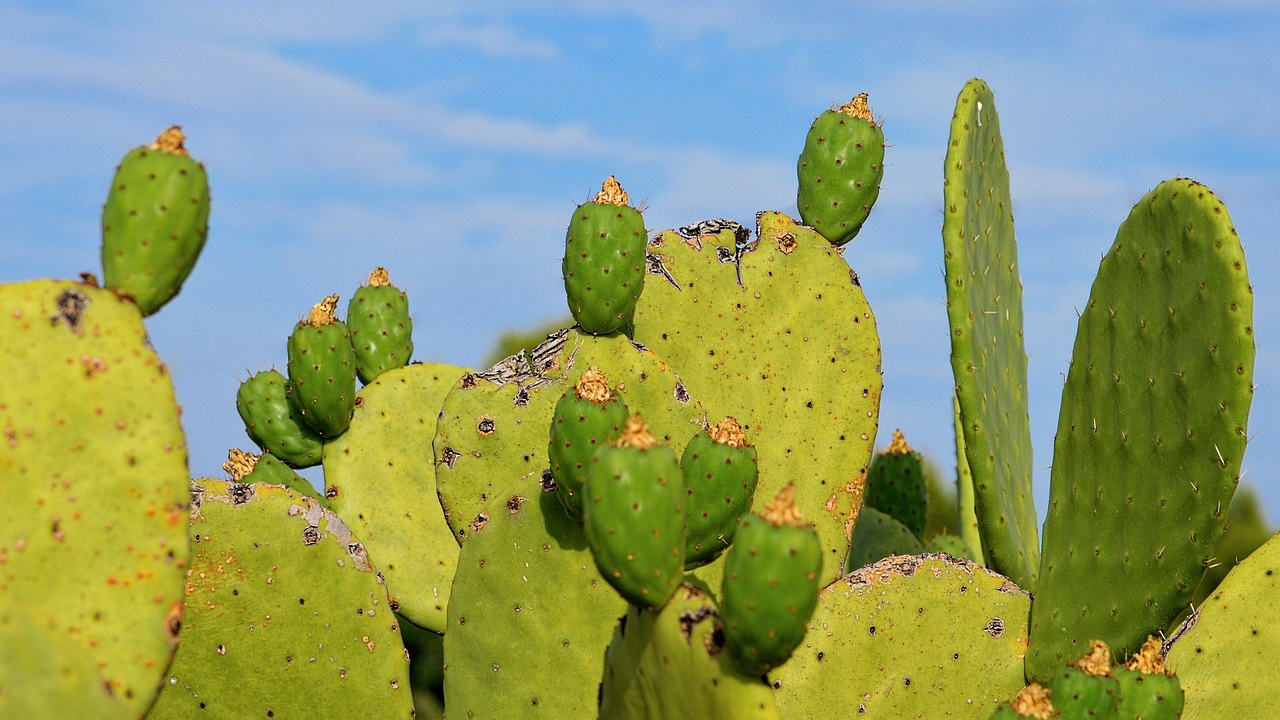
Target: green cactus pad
966, 513
877, 536
322, 370
604, 260
44, 673
380, 478
671, 663
720, 475
984, 308
586, 417
1152, 429
925, 636
792, 352
529, 615
285, 616
93, 480
155, 221
1225, 657
381, 329
633, 516
897, 486
271, 420
840, 170
493, 428
953, 545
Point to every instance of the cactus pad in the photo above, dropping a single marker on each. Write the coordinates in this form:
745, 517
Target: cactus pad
878, 536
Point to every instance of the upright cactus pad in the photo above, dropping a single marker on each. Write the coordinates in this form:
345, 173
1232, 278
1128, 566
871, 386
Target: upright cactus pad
984, 308
669, 663
93, 483
587, 417
322, 370
1152, 428
604, 260
380, 478
272, 421
633, 515
155, 221
771, 583
380, 326
720, 476
840, 170
926, 636
778, 334
897, 486
281, 597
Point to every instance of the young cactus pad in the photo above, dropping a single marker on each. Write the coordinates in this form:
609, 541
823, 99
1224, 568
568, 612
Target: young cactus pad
840, 170
1152, 428
604, 260
984, 308
281, 596
155, 221
322, 370
381, 329
93, 482
926, 636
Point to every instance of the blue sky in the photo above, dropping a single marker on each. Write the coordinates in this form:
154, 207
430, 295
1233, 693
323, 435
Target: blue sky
448, 142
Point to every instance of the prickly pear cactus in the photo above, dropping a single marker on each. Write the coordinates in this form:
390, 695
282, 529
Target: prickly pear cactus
267, 469
1225, 654
587, 417
670, 663
953, 545
840, 170
380, 478
155, 221
633, 515
984, 307
380, 326
271, 420
45, 673
322, 370
779, 335
897, 486
877, 536
604, 260
966, 512
285, 616
93, 474
925, 636
1152, 428
720, 475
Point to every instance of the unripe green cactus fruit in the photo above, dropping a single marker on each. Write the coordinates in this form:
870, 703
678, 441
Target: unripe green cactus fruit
771, 583
322, 370
587, 417
604, 257
274, 423
634, 516
896, 484
840, 170
720, 476
381, 329
155, 221
879, 535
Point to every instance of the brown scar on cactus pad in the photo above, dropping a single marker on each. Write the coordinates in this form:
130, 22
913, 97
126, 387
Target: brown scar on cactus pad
611, 192
324, 312
1033, 701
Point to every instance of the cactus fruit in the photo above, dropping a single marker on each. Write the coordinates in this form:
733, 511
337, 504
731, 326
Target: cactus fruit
322, 370
271, 420
878, 535
897, 486
267, 469
587, 417
155, 221
1152, 428
93, 483
380, 326
840, 170
669, 664
1147, 689
909, 637
633, 515
280, 596
604, 260
771, 582
720, 476
988, 359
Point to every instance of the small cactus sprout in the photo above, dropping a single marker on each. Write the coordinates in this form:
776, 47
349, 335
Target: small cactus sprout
322, 370
381, 329
634, 516
604, 260
587, 417
840, 170
720, 477
771, 583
